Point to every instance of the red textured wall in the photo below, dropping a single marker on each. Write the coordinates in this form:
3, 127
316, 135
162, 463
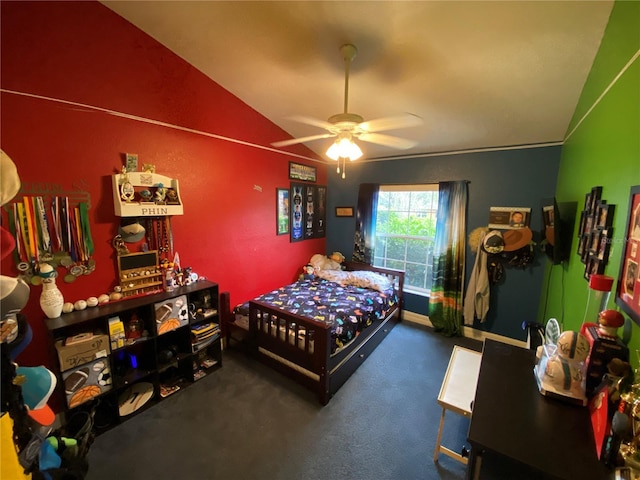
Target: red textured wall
84, 53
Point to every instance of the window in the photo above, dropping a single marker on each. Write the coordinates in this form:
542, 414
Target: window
405, 231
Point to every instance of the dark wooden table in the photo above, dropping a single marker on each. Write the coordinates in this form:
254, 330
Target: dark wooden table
511, 418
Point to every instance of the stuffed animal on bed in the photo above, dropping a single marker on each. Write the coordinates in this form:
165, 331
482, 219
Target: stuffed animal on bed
307, 272
322, 262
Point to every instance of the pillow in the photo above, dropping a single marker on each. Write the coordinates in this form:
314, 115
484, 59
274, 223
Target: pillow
367, 279
338, 276
359, 278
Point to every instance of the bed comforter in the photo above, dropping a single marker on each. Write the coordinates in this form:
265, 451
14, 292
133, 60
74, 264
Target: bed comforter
345, 304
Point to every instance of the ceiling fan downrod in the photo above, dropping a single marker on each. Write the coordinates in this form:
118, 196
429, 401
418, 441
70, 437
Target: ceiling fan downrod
349, 52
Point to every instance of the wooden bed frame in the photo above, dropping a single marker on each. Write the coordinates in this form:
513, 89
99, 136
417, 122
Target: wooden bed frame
299, 347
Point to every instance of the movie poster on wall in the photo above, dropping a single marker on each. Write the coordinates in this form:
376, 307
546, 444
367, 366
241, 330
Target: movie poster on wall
297, 212
309, 210
321, 212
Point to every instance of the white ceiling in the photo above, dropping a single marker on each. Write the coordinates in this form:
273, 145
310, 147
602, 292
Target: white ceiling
481, 74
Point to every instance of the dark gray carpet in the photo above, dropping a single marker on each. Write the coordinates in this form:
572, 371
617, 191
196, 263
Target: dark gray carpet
247, 422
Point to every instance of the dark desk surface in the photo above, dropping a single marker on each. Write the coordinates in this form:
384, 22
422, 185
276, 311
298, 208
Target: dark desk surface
510, 417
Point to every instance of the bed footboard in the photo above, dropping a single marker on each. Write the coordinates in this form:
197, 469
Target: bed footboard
295, 344
300, 347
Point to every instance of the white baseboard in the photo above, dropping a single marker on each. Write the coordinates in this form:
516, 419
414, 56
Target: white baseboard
467, 332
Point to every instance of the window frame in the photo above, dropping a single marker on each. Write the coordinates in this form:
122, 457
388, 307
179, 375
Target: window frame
383, 261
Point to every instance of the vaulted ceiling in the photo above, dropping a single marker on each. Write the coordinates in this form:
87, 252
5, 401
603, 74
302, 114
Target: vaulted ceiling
480, 74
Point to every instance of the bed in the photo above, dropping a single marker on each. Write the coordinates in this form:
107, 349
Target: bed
318, 331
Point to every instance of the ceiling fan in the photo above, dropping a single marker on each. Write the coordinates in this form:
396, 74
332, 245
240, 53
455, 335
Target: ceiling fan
348, 126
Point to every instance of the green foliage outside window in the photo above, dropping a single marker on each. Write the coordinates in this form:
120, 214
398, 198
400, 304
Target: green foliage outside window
405, 229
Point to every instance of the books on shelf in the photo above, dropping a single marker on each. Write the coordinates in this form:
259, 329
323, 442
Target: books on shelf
204, 334
208, 362
166, 390
116, 333
203, 329
199, 345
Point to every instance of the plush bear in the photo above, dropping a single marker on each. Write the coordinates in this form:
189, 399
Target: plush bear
337, 257
322, 262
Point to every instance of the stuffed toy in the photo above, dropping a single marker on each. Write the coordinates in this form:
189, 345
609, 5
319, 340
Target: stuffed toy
337, 257
322, 262
307, 272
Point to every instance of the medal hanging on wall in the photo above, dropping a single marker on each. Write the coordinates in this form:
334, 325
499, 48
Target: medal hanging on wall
162, 238
80, 243
64, 241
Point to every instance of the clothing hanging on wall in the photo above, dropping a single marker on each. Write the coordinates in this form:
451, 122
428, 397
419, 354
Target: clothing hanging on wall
476, 301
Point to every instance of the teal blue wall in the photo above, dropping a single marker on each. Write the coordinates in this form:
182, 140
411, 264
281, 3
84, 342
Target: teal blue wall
520, 178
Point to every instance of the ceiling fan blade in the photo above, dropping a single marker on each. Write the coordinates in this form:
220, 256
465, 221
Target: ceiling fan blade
391, 123
293, 141
311, 121
387, 140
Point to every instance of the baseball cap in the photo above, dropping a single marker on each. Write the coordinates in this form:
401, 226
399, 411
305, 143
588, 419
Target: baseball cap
39, 383
493, 242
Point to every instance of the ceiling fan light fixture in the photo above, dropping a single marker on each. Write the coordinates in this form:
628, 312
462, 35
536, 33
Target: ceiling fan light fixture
344, 148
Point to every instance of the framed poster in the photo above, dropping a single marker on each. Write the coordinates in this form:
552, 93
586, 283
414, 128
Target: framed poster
344, 211
308, 217
628, 288
131, 160
321, 212
509, 218
305, 173
297, 212
309, 211
282, 211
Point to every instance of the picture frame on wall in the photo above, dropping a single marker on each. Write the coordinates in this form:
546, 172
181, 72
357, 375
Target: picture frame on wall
282, 211
344, 212
584, 250
306, 173
628, 286
596, 195
605, 243
595, 228
321, 212
604, 214
508, 218
308, 206
310, 211
131, 162
593, 266
296, 195
594, 241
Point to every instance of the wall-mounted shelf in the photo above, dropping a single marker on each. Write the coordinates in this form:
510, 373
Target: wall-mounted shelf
135, 204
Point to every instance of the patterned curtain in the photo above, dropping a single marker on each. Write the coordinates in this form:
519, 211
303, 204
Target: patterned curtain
445, 301
364, 238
